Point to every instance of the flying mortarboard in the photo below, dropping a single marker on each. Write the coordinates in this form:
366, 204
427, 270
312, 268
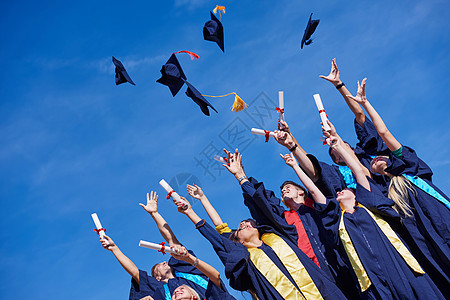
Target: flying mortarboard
121, 74
195, 95
310, 28
213, 30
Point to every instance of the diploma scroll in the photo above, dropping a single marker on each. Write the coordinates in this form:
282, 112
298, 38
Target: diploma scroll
100, 230
323, 115
265, 133
281, 105
172, 193
221, 159
159, 247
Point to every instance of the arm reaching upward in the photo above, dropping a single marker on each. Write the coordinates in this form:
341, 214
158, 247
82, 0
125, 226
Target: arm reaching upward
202, 266
335, 78
196, 192
307, 182
126, 263
164, 228
390, 141
335, 142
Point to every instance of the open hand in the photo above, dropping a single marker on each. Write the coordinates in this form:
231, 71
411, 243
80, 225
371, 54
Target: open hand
334, 77
152, 203
361, 93
195, 191
235, 163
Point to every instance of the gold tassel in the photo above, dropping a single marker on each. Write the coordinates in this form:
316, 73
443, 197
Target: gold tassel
219, 9
238, 104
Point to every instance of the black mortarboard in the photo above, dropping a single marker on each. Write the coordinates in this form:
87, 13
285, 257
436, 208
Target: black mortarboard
195, 95
213, 31
172, 75
310, 28
121, 74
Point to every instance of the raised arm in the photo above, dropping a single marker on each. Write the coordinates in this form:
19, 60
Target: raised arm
202, 266
126, 263
316, 194
335, 78
335, 142
382, 130
197, 193
286, 139
164, 228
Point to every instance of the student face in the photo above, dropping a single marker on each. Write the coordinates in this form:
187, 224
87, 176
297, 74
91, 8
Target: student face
183, 292
292, 196
379, 164
346, 196
246, 231
337, 158
162, 271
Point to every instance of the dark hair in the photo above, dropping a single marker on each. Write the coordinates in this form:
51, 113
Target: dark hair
333, 157
294, 184
234, 237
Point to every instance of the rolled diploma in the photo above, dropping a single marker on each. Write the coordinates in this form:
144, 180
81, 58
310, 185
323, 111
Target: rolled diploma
157, 247
168, 189
281, 103
98, 224
261, 132
220, 159
323, 115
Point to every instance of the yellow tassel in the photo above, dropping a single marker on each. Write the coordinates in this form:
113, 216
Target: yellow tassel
238, 104
219, 9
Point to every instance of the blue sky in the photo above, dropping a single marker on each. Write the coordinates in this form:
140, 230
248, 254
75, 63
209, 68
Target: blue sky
73, 143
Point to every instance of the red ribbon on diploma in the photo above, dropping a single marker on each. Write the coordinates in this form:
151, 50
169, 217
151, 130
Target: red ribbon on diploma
280, 110
163, 247
170, 194
98, 230
322, 111
267, 135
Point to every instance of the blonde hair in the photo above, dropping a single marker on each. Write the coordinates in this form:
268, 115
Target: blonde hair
398, 192
194, 294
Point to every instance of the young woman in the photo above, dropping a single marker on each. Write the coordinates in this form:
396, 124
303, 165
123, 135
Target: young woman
424, 209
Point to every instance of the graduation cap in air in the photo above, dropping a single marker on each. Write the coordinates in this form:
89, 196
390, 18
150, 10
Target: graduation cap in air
213, 31
195, 95
173, 76
121, 74
310, 28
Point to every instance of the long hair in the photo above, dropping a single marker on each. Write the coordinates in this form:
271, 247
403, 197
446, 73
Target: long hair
398, 192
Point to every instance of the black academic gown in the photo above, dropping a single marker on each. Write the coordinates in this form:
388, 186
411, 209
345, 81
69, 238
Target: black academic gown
244, 275
266, 209
390, 275
428, 230
149, 286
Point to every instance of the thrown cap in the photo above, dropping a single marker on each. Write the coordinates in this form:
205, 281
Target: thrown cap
172, 75
121, 74
310, 28
197, 97
213, 31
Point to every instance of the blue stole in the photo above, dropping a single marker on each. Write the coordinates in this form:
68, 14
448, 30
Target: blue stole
346, 173
424, 186
191, 277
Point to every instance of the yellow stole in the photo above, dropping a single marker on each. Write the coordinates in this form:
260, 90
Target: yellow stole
363, 278
273, 274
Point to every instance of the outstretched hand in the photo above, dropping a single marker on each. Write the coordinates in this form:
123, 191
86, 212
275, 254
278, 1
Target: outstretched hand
182, 252
361, 93
334, 77
152, 203
107, 243
235, 161
331, 131
195, 191
289, 159
180, 205
283, 126
284, 139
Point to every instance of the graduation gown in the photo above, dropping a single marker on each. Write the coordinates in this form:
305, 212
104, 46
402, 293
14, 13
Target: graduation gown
391, 276
244, 275
149, 286
428, 230
266, 209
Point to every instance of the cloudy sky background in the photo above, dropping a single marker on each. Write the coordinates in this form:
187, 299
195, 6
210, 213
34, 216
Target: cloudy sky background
73, 143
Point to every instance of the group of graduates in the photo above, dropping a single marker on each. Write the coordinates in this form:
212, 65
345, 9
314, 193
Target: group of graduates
372, 226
